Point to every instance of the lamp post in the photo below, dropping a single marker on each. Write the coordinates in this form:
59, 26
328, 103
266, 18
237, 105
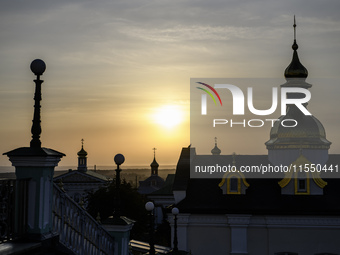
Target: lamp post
119, 159
38, 67
34, 168
175, 212
149, 206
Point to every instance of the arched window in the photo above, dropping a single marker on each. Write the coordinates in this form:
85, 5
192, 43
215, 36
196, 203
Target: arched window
234, 185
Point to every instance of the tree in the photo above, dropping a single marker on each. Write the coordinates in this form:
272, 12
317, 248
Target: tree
131, 205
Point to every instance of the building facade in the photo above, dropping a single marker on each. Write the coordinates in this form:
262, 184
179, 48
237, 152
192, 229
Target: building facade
295, 213
78, 183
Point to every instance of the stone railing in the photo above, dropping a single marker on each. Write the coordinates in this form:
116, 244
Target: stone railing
10, 211
7, 188
77, 230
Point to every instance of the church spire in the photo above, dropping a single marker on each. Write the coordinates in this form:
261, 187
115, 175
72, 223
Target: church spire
82, 158
295, 44
295, 68
154, 165
215, 150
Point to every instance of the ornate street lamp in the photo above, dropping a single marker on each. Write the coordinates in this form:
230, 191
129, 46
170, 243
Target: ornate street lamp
38, 67
149, 206
175, 212
175, 250
119, 159
34, 168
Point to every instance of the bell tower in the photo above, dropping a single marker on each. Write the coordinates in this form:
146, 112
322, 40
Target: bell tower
308, 137
154, 165
82, 158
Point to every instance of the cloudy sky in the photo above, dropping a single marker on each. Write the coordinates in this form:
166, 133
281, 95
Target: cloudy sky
115, 68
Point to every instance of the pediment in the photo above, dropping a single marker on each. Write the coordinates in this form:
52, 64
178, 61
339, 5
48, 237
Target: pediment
77, 177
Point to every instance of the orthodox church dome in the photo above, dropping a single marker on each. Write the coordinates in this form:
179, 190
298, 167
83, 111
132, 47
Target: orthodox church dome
82, 152
308, 133
295, 69
216, 150
154, 163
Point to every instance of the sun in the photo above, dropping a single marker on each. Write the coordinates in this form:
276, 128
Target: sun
168, 116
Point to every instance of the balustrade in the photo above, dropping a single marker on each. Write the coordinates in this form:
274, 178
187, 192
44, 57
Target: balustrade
78, 231
7, 188
13, 214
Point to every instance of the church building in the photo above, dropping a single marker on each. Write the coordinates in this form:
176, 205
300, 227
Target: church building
77, 183
154, 182
296, 213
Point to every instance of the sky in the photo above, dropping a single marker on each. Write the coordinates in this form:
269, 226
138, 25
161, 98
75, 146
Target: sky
117, 71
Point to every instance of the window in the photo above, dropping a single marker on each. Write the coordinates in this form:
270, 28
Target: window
302, 187
233, 185
302, 184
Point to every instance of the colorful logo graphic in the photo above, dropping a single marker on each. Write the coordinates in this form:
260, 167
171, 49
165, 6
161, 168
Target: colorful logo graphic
209, 93
289, 96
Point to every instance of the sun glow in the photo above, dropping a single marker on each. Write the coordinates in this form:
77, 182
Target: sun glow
168, 116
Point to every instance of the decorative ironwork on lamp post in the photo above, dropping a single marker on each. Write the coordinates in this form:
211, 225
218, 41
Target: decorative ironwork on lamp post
149, 206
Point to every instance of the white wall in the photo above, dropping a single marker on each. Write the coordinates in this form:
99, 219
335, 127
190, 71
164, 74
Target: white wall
258, 235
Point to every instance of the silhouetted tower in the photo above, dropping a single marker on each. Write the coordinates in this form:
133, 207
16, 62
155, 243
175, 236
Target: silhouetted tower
216, 150
308, 137
82, 158
154, 165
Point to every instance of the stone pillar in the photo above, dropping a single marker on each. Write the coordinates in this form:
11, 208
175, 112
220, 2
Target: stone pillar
34, 167
238, 234
119, 228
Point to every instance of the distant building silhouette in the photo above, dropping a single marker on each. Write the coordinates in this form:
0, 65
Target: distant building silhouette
82, 158
216, 150
154, 182
77, 183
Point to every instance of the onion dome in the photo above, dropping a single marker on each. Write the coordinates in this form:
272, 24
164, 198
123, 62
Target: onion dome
308, 133
215, 150
82, 152
82, 160
295, 69
154, 163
